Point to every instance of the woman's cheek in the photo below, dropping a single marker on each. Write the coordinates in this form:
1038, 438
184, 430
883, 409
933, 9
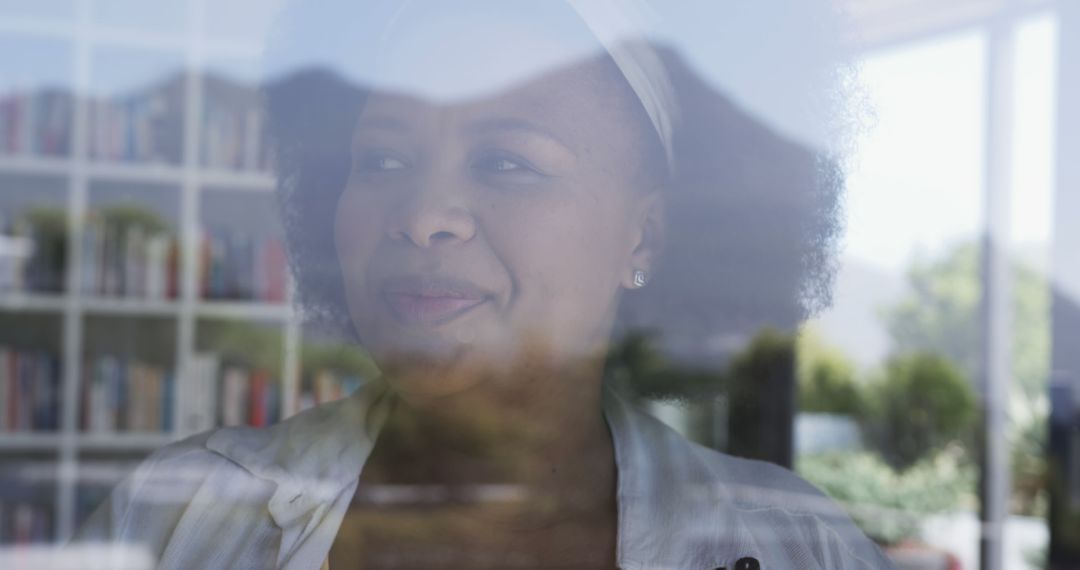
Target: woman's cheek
358, 220
566, 270
355, 235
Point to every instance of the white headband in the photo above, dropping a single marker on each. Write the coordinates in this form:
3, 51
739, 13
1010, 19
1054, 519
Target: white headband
622, 29
622, 26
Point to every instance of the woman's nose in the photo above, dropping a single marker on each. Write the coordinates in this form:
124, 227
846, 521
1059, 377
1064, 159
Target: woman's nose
429, 219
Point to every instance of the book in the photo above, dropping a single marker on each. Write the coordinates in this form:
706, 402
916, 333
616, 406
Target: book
33, 252
136, 127
233, 130
235, 385
127, 260
23, 523
237, 266
199, 391
26, 503
30, 382
223, 391
36, 122
258, 412
5, 387
125, 395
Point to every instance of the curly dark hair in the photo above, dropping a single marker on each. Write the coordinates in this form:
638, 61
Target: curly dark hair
753, 215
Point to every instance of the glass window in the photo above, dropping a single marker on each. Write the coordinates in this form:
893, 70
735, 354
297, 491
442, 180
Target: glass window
572, 283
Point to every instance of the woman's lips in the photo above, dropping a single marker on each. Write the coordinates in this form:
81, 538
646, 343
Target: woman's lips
431, 300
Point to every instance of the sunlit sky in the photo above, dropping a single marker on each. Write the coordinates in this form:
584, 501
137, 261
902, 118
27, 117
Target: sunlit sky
916, 184
917, 180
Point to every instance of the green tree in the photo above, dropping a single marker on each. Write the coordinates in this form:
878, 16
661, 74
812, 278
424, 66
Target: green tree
940, 314
919, 404
761, 397
635, 361
826, 377
890, 506
133, 215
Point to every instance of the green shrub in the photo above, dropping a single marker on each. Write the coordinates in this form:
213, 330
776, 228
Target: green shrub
918, 405
826, 378
890, 506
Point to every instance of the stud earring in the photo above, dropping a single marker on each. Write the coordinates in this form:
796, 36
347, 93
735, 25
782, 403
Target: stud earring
641, 278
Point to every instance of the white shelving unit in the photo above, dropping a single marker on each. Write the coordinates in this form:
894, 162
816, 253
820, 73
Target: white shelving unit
69, 445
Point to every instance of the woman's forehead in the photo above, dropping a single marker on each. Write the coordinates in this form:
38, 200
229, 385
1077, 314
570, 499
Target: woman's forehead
480, 49
558, 103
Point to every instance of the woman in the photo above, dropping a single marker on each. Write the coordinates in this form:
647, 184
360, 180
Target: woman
479, 203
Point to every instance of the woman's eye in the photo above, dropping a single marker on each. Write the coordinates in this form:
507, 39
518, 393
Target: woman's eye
503, 165
390, 163
381, 163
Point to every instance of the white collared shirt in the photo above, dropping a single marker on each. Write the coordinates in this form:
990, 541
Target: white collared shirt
276, 497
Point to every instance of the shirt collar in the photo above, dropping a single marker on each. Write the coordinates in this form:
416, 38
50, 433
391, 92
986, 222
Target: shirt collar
668, 503
312, 457
671, 504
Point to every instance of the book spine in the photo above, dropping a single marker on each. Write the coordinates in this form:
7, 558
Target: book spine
209, 391
234, 397
274, 401
174, 269
252, 139
14, 128
132, 266
155, 270
26, 393
48, 395
15, 394
244, 267
89, 261
93, 421
153, 400
168, 401
135, 391
5, 124
258, 416
5, 389
123, 393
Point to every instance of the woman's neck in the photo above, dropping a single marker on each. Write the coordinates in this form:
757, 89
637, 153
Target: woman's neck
539, 434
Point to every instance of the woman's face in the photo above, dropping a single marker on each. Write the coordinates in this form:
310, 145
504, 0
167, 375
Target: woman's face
488, 228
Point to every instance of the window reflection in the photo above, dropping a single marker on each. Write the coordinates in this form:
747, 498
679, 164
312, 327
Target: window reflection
209, 218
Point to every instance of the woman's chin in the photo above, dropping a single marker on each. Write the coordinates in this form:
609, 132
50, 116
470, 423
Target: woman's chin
460, 349
432, 366
436, 370
429, 354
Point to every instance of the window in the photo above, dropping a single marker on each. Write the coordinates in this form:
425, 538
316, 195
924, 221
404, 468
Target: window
494, 241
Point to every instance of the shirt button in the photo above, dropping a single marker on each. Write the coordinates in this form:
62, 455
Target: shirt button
747, 563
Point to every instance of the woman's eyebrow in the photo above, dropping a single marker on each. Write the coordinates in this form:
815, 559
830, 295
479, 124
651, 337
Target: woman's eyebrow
497, 124
383, 123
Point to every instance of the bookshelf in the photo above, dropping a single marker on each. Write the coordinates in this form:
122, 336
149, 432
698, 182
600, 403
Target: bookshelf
154, 123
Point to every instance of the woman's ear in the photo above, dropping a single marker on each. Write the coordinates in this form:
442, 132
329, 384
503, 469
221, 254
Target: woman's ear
650, 232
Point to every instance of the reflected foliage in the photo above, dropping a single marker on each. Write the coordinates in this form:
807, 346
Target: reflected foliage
257, 346
46, 227
130, 215
917, 417
826, 378
260, 346
889, 506
917, 406
756, 385
940, 314
638, 363
761, 396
